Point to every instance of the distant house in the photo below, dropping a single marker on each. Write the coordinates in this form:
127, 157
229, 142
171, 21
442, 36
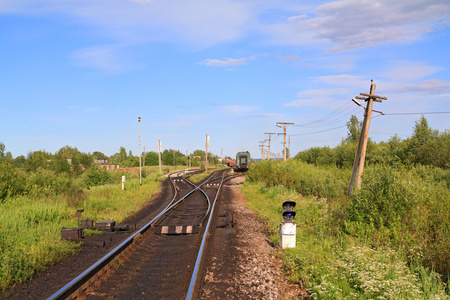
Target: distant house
103, 163
100, 161
109, 166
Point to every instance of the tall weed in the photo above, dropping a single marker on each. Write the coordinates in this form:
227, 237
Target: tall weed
400, 214
306, 179
397, 207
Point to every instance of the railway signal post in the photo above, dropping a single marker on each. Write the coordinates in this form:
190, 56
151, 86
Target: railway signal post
288, 228
206, 153
159, 155
140, 154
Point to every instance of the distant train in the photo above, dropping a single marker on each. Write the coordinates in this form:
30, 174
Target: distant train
243, 161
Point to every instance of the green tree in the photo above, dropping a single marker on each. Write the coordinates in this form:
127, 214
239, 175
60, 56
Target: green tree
122, 154
120, 157
420, 151
2, 151
172, 157
354, 129
37, 159
99, 155
69, 159
151, 159
20, 161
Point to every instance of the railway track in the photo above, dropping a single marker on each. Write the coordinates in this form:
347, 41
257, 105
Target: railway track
163, 258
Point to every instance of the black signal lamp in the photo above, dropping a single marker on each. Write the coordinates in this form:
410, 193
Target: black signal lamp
288, 210
288, 204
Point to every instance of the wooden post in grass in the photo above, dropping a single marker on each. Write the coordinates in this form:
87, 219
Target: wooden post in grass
362, 144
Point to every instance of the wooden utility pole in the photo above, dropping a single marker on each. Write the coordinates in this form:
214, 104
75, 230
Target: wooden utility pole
362, 143
270, 134
262, 149
284, 143
289, 146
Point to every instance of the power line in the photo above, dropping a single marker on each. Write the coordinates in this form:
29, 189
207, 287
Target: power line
324, 119
319, 131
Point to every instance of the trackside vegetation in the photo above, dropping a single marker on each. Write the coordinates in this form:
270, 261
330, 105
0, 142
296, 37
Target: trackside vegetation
41, 193
30, 238
389, 240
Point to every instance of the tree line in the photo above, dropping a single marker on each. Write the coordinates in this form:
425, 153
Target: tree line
70, 160
426, 146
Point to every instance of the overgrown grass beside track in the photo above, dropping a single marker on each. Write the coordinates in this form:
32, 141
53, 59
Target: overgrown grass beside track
383, 242
31, 223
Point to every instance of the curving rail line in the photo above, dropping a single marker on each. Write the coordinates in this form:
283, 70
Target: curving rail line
82, 282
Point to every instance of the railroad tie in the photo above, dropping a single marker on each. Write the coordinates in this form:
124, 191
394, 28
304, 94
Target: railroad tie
176, 229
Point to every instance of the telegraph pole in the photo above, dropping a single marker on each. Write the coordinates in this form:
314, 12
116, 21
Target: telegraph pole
289, 146
362, 143
262, 149
284, 143
270, 135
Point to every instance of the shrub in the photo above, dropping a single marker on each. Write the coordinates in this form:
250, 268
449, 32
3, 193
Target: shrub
12, 182
322, 182
96, 176
397, 207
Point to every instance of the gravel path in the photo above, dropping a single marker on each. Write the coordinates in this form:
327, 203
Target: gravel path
247, 267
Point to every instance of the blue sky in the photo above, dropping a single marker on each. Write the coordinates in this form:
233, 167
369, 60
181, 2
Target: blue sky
80, 72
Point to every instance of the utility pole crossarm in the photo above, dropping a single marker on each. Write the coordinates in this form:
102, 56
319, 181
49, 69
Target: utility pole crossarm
374, 96
270, 135
284, 133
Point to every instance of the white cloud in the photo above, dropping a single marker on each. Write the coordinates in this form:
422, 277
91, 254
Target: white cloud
103, 57
407, 71
296, 18
352, 24
323, 98
288, 59
344, 80
198, 22
229, 62
337, 26
430, 86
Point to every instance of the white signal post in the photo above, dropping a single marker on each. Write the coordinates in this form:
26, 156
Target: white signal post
140, 166
159, 155
288, 229
206, 155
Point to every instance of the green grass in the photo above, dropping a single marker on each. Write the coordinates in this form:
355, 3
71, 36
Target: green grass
331, 264
30, 238
199, 177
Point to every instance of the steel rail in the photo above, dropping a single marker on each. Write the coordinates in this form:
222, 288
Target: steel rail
81, 279
89, 273
202, 245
